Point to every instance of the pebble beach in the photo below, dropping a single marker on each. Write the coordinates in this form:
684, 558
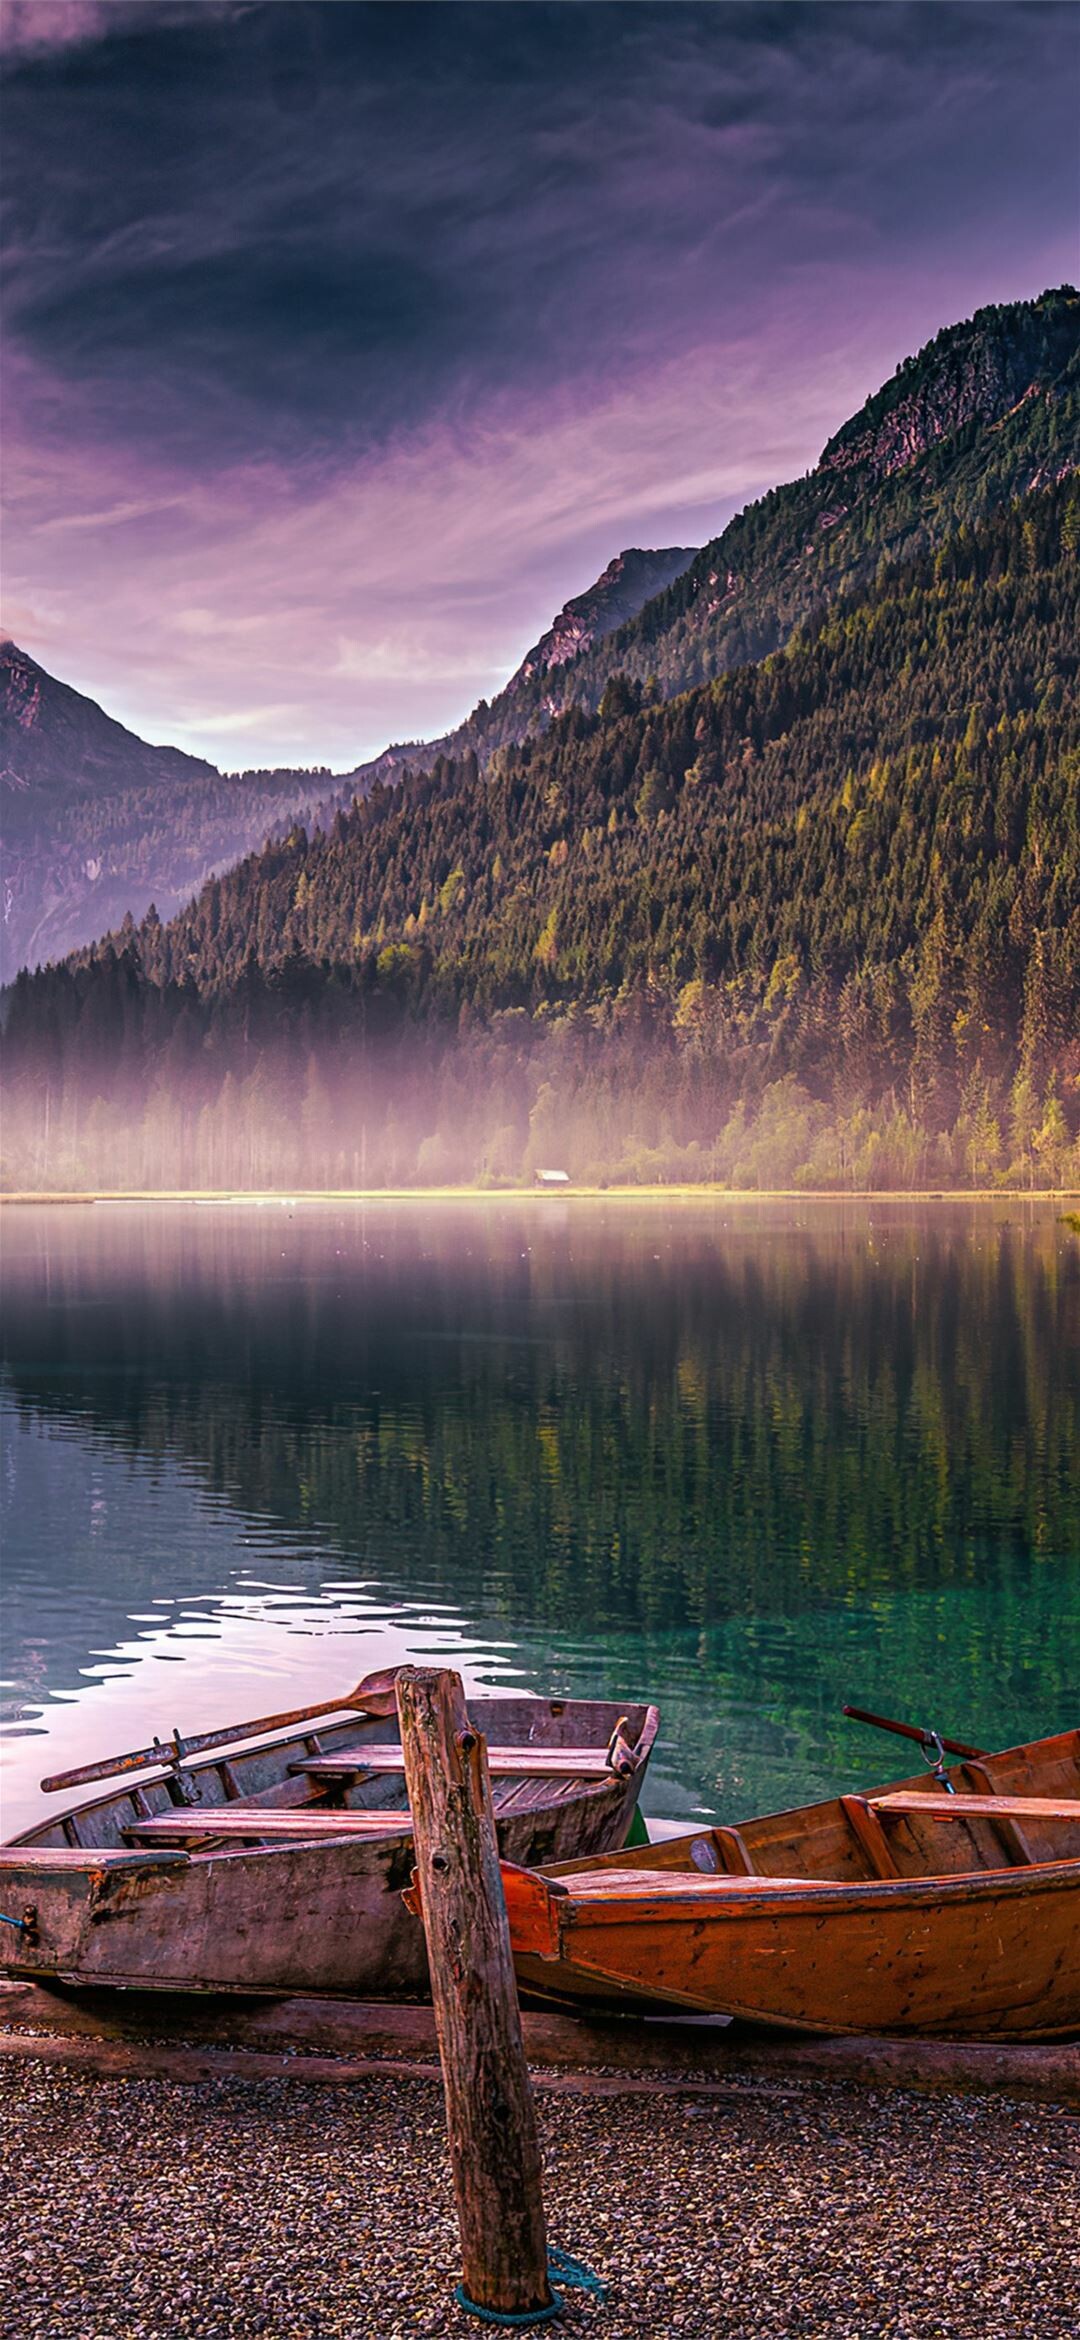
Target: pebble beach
146, 2209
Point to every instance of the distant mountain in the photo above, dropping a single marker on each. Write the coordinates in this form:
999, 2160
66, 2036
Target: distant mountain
781, 879
986, 411
96, 824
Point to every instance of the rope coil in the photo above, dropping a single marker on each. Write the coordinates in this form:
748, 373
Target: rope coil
562, 2270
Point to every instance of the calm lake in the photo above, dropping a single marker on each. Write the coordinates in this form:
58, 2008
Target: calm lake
749, 1459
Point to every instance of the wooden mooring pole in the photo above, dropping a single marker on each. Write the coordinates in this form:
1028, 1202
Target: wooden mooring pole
490, 2118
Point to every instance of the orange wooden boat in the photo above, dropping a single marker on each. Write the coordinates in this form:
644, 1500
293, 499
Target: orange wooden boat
945, 1911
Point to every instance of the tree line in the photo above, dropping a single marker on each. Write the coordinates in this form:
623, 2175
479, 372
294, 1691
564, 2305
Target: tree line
815, 921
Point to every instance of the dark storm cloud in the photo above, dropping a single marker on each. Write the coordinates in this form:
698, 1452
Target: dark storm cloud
292, 226
241, 343
552, 271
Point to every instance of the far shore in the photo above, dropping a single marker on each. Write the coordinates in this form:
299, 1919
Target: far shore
544, 1196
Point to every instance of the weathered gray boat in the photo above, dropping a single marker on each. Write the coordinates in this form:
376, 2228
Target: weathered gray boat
279, 1866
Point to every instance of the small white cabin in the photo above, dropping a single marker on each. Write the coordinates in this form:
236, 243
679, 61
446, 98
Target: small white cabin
553, 1177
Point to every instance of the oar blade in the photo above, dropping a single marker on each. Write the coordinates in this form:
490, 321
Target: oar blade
374, 1696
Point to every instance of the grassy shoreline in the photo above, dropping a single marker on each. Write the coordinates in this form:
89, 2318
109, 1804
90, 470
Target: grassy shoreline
285, 1198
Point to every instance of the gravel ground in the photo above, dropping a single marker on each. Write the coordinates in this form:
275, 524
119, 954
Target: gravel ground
140, 2209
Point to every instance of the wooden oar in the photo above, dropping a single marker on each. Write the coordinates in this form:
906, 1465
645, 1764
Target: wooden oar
373, 1696
925, 1739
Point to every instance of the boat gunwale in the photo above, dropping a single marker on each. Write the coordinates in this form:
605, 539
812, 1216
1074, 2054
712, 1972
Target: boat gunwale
734, 1897
590, 1789
660, 1857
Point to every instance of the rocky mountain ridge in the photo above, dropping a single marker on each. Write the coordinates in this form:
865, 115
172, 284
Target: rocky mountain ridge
628, 582
977, 372
97, 823
633, 578
987, 411
55, 738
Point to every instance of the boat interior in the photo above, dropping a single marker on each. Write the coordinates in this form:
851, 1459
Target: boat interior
912, 1828
347, 1779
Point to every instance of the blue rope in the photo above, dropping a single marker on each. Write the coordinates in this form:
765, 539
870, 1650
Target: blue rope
575, 2276
544, 2315
570, 2273
19, 1924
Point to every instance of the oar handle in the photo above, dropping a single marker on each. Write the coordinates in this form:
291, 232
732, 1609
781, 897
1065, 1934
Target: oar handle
369, 1698
881, 1722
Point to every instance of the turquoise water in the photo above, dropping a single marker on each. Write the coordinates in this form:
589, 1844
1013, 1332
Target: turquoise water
749, 1459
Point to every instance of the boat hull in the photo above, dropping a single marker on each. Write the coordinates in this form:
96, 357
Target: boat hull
905, 1911
284, 1918
994, 1955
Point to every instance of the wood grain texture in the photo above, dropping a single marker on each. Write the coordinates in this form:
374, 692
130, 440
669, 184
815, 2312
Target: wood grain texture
251, 1822
313, 1902
900, 1913
511, 1762
491, 2122
991, 1956
961, 1807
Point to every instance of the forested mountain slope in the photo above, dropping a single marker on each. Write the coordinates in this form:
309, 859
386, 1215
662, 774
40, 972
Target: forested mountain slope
817, 919
97, 824
988, 410
633, 578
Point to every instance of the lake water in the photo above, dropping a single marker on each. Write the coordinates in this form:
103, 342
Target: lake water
750, 1459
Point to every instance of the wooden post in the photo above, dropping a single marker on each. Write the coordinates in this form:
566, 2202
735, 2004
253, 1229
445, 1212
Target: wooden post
491, 2123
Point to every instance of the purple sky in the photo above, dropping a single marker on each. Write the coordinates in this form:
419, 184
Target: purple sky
344, 343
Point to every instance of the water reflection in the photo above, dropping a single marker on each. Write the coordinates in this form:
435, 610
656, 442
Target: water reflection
751, 1459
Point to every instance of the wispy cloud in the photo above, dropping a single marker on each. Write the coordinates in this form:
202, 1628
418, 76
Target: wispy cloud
30, 28
277, 714
112, 516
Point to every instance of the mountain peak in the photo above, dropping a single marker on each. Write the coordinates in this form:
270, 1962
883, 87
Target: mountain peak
55, 738
977, 371
97, 822
629, 581
986, 411
20, 685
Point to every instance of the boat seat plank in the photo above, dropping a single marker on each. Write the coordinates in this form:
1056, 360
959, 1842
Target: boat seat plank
90, 1859
535, 1762
909, 1801
647, 1884
256, 1820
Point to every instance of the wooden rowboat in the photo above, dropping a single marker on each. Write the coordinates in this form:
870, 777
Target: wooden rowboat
280, 1867
911, 1910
